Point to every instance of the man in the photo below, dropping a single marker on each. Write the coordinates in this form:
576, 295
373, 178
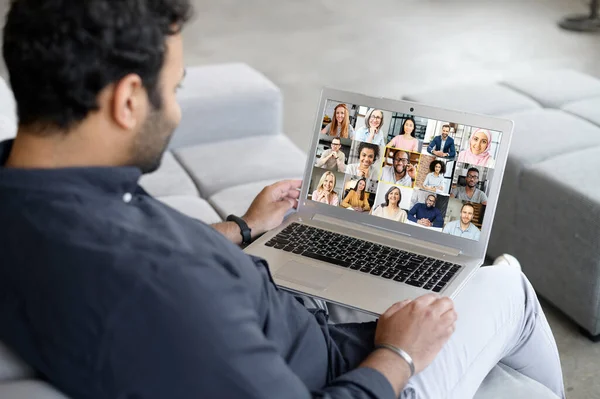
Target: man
426, 214
463, 227
109, 293
402, 172
333, 158
470, 192
443, 145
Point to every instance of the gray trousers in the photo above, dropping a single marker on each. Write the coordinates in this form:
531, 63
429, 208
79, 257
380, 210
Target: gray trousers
499, 320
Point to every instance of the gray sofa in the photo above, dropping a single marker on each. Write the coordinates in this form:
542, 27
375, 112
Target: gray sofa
231, 116
549, 205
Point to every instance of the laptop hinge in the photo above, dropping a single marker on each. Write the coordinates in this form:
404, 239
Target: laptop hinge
404, 238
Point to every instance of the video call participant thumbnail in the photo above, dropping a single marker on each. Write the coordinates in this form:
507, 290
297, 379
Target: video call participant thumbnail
401, 172
334, 158
390, 209
470, 192
435, 180
357, 198
366, 166
463, 227
443, 145
406, 139
426, 214
324, 192
478, 152
340, 125
371, 132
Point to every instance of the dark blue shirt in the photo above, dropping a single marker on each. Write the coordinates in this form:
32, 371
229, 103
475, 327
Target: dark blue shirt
420, 211
108, 293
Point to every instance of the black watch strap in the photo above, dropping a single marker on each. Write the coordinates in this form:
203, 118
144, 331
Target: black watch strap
244, 229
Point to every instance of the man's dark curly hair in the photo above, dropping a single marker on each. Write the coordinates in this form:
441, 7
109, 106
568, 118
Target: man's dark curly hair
61, 53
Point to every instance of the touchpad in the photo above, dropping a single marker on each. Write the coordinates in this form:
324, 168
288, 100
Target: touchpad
307, 275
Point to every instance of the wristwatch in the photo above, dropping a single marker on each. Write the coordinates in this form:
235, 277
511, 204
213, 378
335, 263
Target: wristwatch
245, 231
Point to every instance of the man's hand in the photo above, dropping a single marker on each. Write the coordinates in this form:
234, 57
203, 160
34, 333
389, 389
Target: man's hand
270, 205
424, 222
419, 327
438, 153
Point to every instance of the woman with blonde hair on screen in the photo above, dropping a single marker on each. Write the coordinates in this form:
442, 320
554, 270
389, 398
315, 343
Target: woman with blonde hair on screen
324, 192
406, 139
357, 198
390, 209
340, 125
478, 151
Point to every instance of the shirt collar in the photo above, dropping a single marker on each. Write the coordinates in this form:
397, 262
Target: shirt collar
110, 180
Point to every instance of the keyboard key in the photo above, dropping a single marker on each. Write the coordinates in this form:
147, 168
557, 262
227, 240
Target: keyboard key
323, 258
355, 267
400, 278
289, 248
376, 272
428, 286
279, 246
270, 243
366, 269
388, 275
415, 283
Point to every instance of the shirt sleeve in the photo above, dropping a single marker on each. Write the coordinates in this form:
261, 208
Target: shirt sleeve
193, 334
431, 146
321, 161
438, 221
412, 214
452, 150
483, 197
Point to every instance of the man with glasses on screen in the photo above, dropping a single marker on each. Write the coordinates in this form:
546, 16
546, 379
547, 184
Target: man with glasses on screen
470, 192
402, 172
333, 158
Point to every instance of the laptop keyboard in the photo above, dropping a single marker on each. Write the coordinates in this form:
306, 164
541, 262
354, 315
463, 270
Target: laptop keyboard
364, 256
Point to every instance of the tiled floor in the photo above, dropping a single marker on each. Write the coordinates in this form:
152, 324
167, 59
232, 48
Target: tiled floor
390, 48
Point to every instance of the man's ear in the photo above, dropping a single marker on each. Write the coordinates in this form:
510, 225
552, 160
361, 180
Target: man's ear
129, 102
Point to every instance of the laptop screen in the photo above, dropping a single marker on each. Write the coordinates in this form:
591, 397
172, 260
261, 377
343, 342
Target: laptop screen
429, 173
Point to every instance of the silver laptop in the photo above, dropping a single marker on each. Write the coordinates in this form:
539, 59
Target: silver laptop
397, 201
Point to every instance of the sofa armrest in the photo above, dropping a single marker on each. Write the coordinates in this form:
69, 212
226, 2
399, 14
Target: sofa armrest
225, 102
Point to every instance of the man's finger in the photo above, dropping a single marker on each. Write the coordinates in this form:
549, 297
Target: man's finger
281, 188
395, 307
295, 194
443, 305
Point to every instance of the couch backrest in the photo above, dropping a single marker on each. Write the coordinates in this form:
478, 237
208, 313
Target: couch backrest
8, 112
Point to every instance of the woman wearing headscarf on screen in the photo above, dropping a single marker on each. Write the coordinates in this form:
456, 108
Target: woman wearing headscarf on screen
478, 151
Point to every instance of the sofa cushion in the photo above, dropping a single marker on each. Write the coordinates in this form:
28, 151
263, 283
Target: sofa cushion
504, 382
218, 166
29, 389
11, 366
224, 100
587, 109
555, 88
489, 99
236, 200
169, 179
194, 207
545, 133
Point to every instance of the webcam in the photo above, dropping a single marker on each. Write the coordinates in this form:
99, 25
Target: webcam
411, 109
